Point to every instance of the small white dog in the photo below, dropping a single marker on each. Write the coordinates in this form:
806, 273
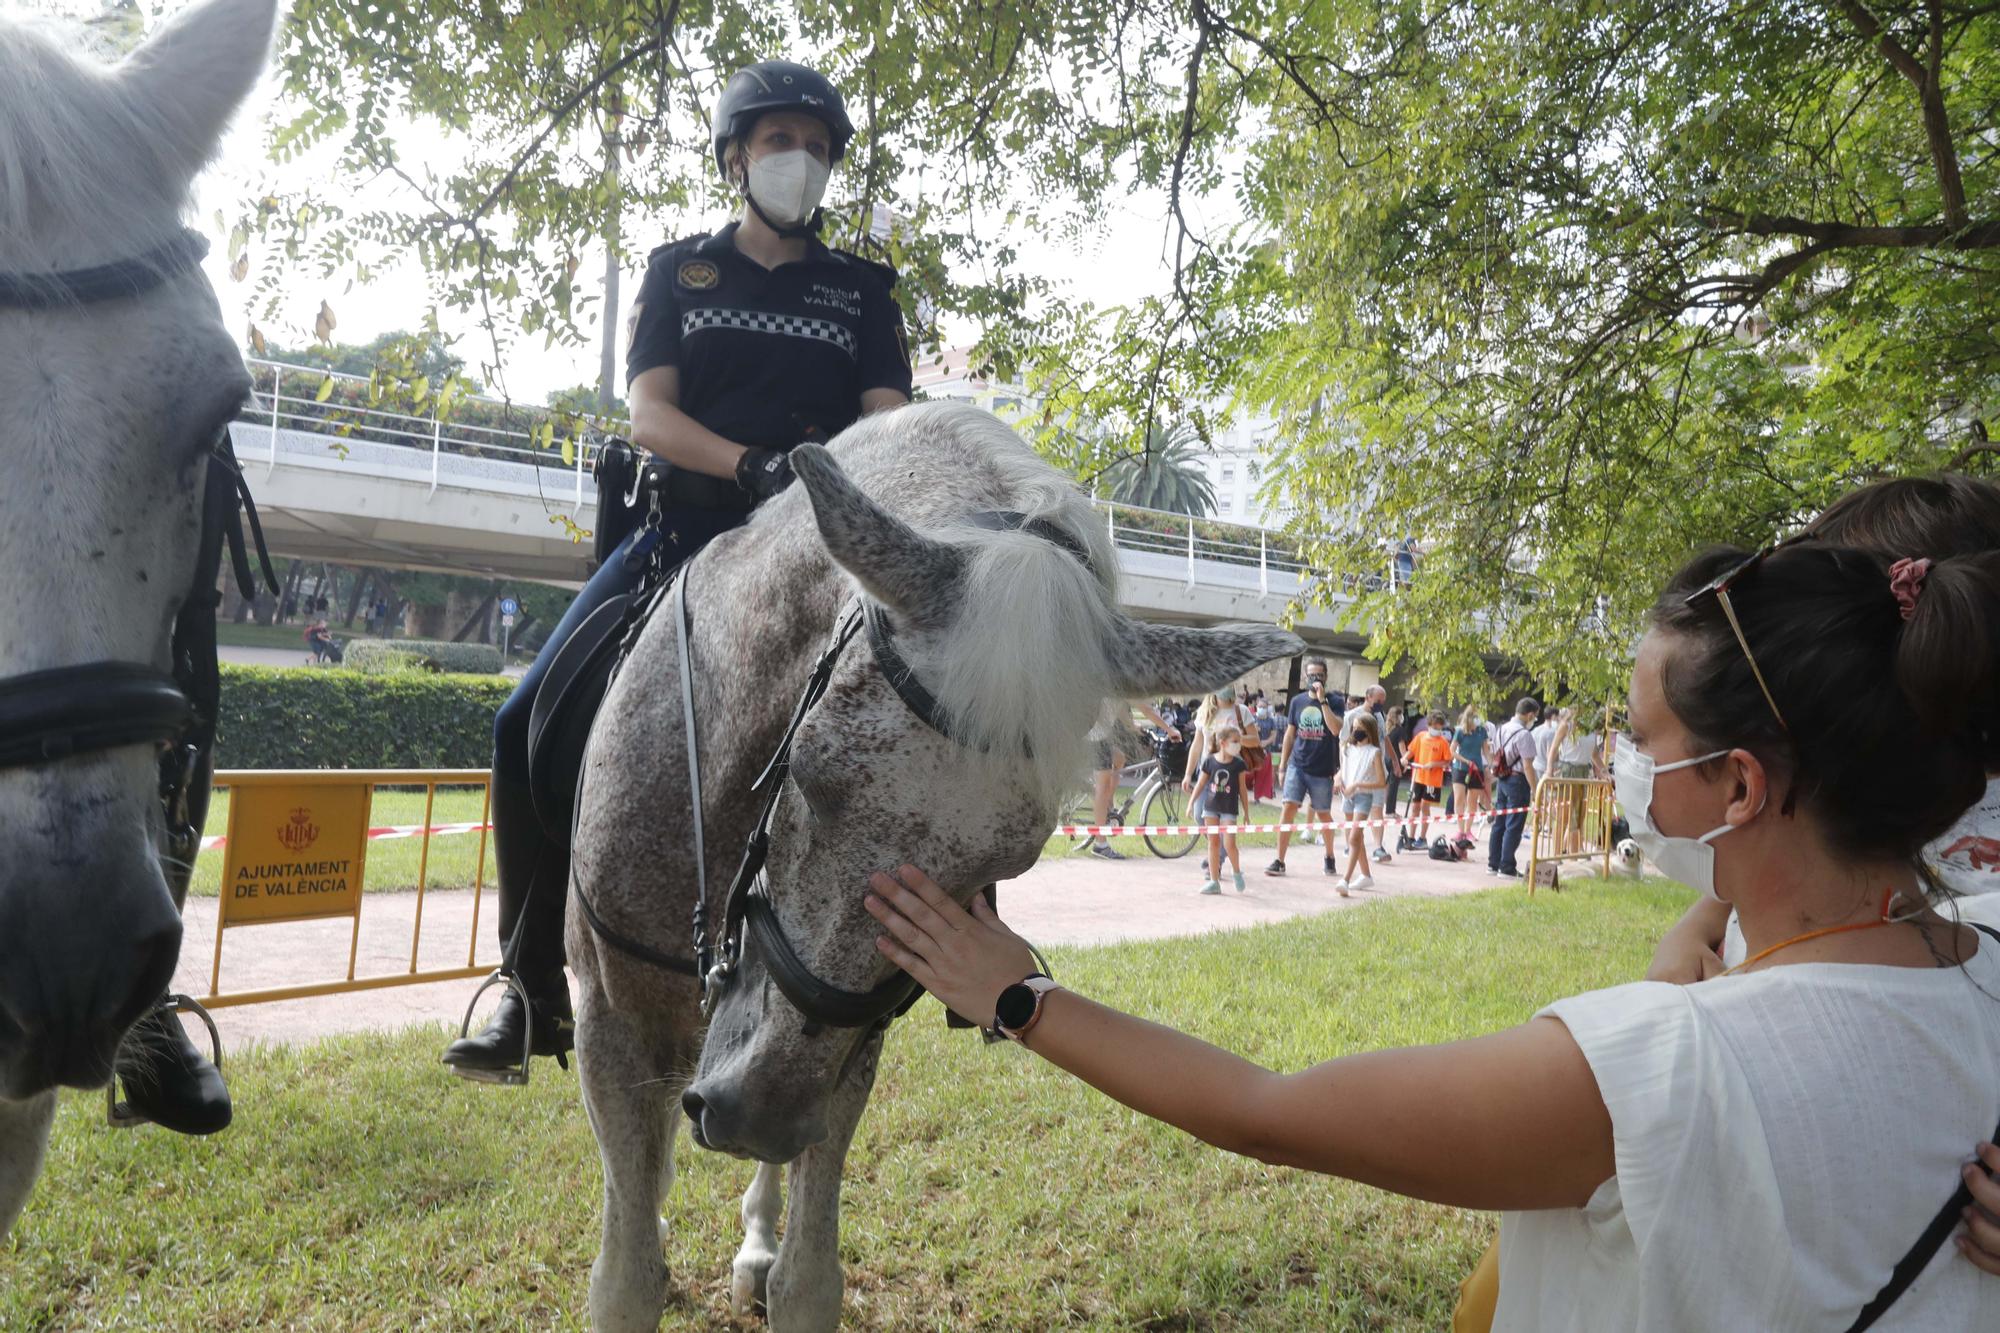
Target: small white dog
1629, 859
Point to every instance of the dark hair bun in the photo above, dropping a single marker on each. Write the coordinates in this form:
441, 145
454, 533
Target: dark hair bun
1888, 723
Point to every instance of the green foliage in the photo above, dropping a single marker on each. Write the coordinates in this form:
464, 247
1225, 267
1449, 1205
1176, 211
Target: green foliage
1508, 307
428, 355
385, 656
283, 718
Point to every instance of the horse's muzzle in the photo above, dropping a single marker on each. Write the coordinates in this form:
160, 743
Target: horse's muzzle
719, 1127
66, 1002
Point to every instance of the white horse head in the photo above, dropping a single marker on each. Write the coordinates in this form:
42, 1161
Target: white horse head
1020, 640
108, 410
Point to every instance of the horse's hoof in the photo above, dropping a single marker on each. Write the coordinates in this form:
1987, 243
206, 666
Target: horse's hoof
750, 1284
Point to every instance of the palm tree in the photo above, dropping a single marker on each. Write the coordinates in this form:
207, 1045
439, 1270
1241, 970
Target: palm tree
1167, 476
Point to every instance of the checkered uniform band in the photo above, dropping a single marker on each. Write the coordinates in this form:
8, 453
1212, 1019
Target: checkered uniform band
759, 321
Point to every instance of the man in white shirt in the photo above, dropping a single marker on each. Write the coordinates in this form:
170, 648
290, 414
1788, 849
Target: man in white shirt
1514, 779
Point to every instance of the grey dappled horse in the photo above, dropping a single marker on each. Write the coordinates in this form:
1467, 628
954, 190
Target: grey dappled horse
110, 409
1019, 640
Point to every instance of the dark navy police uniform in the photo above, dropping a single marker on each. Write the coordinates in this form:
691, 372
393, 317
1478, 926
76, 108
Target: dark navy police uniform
767, 358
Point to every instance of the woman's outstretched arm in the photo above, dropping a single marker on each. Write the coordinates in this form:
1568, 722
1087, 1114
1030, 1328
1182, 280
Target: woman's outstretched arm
1509, 1121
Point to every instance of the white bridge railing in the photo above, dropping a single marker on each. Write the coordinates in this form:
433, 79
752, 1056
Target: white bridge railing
490, 444
287, 397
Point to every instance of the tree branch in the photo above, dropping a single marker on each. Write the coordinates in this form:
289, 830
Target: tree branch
1930, 97
1966, 235
562, 113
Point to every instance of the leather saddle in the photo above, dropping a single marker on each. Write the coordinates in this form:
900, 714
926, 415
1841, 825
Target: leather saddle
565, 706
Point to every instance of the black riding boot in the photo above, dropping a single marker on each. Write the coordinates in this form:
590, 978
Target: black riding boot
533, 869
168, 1081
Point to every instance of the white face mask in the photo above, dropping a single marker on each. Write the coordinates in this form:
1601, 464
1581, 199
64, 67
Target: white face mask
788, 186
1689, 860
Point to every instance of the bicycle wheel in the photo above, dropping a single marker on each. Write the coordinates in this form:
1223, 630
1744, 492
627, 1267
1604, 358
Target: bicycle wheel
1166, 804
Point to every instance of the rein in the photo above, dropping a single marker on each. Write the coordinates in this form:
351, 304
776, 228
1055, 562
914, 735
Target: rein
749, 911
93, 707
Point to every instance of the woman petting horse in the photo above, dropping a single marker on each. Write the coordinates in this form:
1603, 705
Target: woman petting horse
1805, 721
743, 345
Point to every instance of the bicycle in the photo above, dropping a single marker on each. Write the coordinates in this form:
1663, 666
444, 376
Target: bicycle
1160, 801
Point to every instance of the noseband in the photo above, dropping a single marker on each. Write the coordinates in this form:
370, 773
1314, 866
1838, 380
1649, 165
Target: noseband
749, 911
93, 707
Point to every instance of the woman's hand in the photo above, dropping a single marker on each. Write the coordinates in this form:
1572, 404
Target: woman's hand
1687, 952
1981, 1242
964, 958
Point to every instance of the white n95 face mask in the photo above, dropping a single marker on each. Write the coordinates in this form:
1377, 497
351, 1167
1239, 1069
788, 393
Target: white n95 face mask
788, 186
1689, 860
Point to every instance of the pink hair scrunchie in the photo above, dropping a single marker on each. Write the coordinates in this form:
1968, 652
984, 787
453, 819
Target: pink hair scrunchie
1906, 580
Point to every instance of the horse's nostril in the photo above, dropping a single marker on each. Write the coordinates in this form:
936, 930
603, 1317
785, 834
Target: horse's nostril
692, 1103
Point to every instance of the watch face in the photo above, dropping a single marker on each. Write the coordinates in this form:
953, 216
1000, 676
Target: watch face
1015, 1006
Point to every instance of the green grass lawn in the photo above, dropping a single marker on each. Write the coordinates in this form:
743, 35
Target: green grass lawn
361, 1188
392, 862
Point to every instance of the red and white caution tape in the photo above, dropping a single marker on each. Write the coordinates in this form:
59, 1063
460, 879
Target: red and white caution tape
1437, 822
383, 832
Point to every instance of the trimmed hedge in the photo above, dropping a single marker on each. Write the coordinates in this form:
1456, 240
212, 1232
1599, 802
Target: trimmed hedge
277, 717
378, 656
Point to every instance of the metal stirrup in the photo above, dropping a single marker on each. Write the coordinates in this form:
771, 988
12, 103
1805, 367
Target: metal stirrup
120, 1115
512, 1078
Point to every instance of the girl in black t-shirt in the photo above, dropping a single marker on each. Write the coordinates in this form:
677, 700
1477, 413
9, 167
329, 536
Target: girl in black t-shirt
1216, 796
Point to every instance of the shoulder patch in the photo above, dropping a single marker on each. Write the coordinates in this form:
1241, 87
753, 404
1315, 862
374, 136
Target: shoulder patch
697, 275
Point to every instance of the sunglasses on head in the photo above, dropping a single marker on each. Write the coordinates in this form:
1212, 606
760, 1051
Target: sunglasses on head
1719, 587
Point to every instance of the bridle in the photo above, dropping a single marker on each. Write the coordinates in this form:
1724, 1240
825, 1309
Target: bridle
749, 913
92, 707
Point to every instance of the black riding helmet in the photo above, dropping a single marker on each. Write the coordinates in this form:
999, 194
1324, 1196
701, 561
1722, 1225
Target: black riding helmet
779, 85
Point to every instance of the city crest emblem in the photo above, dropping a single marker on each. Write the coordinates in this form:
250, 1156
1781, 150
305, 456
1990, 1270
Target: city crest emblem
698, 275
298, 834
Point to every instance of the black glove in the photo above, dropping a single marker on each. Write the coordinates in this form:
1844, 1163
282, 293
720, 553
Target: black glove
763, 472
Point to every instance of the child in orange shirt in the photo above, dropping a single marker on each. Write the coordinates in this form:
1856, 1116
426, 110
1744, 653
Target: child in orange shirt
1429, 756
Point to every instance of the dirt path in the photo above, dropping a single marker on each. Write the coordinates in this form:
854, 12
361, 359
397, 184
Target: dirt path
1062, 901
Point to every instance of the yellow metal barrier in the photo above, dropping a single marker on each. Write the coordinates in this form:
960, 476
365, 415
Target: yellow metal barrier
296, 849
1570, 821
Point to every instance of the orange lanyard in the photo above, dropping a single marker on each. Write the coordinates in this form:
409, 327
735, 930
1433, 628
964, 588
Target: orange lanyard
1888, 896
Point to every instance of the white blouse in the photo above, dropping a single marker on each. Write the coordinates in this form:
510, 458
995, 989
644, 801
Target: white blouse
1782, 1139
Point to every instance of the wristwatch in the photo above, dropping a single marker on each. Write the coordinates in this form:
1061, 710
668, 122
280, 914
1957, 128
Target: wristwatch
1020, 1006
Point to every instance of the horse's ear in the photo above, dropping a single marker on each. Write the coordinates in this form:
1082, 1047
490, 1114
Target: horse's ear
190, 76
1148, 659
913, 576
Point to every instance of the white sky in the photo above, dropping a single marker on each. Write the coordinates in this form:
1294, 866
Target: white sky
1124, 262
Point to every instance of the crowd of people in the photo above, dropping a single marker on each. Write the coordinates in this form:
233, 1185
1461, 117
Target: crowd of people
1233, 748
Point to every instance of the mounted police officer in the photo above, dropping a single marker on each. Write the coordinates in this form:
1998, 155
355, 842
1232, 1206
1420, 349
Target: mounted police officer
742, 345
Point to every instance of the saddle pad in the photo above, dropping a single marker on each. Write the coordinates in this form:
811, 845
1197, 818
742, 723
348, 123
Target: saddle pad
565, 704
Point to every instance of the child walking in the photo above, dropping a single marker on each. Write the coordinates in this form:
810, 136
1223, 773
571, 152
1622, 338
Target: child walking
1215, 795
1364, 778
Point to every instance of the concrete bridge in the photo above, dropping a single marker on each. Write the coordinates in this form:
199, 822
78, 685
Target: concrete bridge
411, 493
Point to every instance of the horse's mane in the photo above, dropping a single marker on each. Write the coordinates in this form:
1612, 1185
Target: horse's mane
1023, 668
78, 159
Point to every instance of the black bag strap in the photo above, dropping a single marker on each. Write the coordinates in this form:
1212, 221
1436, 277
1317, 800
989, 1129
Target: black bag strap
1906, 1269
